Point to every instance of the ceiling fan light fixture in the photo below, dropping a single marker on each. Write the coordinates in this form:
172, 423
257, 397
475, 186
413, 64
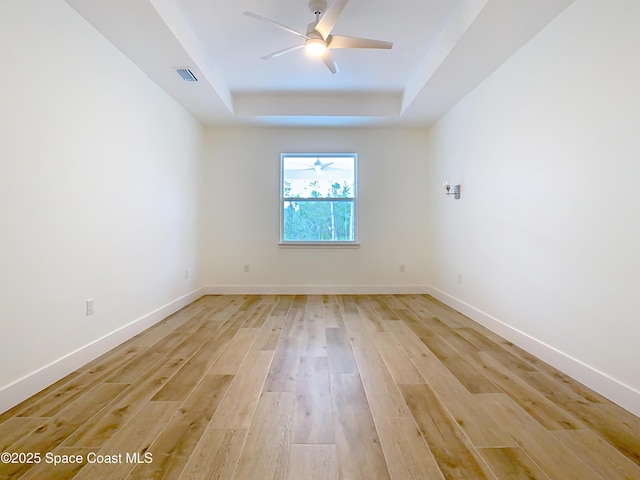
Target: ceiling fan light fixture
315, 47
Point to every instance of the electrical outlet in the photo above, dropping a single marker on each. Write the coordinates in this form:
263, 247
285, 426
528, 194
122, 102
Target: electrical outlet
246, 267
89, 306
402, 268
459, 278
186, 274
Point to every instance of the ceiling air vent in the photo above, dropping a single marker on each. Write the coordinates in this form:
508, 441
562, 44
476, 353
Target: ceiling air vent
186, 74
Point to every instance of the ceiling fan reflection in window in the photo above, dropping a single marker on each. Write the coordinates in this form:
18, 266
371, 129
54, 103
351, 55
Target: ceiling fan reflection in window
313, 168
319, 41
318, 166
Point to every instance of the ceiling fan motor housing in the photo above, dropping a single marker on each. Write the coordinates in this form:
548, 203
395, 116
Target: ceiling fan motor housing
311, 31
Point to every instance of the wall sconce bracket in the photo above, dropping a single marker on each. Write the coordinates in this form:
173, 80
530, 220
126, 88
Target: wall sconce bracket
455, 192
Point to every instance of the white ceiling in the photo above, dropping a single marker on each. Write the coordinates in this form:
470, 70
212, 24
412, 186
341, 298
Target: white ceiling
442, 50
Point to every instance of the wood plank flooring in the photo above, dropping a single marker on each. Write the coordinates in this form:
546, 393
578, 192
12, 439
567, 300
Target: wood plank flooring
252, 387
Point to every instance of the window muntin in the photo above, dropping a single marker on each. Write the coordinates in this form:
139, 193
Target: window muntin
318, 199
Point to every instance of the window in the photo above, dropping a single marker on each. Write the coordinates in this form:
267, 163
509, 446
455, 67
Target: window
318, 199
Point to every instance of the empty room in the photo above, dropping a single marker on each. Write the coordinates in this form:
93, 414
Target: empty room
341, 239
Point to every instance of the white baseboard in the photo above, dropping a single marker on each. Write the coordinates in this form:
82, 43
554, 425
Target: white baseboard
616, 391
18, 391
314, 289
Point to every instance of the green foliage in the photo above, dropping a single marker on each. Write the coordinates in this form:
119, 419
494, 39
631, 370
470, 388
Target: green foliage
319, 220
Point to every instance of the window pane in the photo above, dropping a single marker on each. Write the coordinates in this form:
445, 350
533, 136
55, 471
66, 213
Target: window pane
318, 177
321, 221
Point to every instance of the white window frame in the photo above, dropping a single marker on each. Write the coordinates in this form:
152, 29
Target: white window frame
354, 199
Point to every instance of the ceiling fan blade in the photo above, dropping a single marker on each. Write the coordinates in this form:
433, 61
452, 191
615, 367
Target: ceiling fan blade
330, 17
282, 52
330, 62
279, 25
338, 41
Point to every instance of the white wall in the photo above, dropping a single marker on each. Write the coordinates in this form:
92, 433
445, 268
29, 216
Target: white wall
242, 218
546, 237
99, 199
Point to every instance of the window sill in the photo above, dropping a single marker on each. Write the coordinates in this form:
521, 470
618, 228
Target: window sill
319, 245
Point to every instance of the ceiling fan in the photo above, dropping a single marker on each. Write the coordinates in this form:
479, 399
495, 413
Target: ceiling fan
319, 40
318, 166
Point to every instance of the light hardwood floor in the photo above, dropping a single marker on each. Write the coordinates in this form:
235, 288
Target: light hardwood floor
321, 387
